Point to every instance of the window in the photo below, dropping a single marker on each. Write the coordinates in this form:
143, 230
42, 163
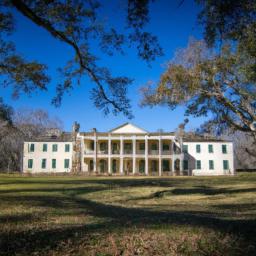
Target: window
32, 147
67, 147
210, 148
92, 145
198, 164
43, 163
166, 165
142, 166
44, 147
142, 146
154, 165
128, 146
166, 147
103, 146
185, 148
114, 147
185, 164
154, 146
225, 165
211, 165
54, 148
91, 165
198, 148
66, 163
224, 149
53, 163
30, 163
114, 166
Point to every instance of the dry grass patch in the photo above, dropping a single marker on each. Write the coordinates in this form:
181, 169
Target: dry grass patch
66, 215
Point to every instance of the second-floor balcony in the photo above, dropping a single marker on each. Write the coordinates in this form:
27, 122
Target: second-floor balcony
140, 152
128, 151
153, 152
103, 151
166, 152
115, 151
88, 152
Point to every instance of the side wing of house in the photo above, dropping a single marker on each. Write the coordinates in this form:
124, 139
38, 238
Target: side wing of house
210, 158
47, 157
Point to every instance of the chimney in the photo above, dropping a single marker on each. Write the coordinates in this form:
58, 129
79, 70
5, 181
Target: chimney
75, 127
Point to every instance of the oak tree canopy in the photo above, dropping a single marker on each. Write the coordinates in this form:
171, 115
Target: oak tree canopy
76, 23
215, 77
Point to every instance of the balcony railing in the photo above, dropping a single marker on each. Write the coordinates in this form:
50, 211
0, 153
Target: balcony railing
154, 152
130, 152
115, 151
127, 151
89, 152
140, 152
103, 152
166, 152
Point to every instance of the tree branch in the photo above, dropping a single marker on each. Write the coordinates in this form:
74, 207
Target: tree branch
26, 11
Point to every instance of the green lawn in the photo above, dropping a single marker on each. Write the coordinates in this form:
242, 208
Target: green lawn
76, 215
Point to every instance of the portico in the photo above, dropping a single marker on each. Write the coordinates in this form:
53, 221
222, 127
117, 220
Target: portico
130, 150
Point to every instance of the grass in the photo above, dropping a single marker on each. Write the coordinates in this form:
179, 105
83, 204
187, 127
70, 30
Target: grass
76, 215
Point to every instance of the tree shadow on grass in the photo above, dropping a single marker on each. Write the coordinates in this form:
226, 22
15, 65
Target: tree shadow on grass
18, 218
120, 181
114, 219
202, 190
105, 181
65, 201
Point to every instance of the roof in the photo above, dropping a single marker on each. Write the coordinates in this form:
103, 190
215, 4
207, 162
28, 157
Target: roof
204, 140
128, 128
63, 137
201, 138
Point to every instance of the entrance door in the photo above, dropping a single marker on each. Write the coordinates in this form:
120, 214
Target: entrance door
102, 165
142, 166
91, 166
166, 166
114, 166
154, 165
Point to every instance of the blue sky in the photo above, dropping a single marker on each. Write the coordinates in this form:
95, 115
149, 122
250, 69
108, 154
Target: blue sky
171, 24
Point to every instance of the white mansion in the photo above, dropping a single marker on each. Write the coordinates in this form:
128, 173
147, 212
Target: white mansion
128, 150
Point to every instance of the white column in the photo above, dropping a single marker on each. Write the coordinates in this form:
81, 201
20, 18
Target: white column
181, 163
173, 159
133, 155
146, 155
160, 156
121, 155
95, 154
109, 154
173, 156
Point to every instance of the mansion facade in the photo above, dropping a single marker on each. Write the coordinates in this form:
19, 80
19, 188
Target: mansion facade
128, 150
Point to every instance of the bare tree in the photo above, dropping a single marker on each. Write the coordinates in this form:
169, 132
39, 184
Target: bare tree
34, 122
244, 150
22, 125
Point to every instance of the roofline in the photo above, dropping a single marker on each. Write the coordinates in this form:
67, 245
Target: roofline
120, 126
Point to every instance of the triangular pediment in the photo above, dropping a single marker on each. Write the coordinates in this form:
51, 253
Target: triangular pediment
128, 128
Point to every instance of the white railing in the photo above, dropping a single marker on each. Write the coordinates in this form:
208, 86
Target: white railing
127, 151
103, 152
88, 152
154, 152
166, 152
